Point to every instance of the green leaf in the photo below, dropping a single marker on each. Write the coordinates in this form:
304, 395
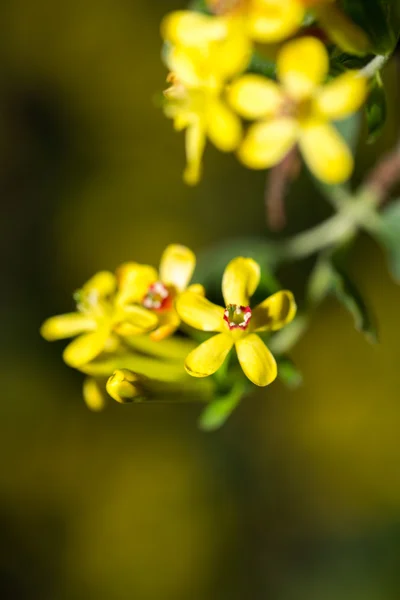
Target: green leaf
288, 373
216, 412
380, 19
284, 340
348, 295
200, 6
262, 65
376, 109
330, 278
389, 235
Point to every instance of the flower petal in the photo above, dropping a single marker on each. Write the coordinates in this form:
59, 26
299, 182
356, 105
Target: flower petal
189, 28
343, 96
231, 56
168, 324
134, 320
325, 153
177, 266
267, 143
274, 20
85, 348
93, 394
134, 280
65, 326
256, 360
274, 313
240, 280
195, 142
223, 127
302, 65
199, 312
104, 283
197, 288
254, 96
209, 356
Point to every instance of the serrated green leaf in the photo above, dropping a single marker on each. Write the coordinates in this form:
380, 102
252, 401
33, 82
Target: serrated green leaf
389, 235
376, 109
288, 373
348, 295
380, 19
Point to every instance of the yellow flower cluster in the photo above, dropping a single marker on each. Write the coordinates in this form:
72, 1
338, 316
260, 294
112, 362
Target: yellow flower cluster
207, 56
122, 321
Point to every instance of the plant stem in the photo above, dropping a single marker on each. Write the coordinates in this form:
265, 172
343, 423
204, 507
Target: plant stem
374, 66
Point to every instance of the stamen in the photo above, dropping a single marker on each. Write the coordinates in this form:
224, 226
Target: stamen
158, 297
237, 317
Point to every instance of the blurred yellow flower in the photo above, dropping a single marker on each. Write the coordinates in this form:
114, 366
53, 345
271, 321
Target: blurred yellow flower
203, 54
157, 292
103, 316
299, 111
237, 324
265, 21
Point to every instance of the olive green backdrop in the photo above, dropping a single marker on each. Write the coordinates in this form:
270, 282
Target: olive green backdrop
298, 496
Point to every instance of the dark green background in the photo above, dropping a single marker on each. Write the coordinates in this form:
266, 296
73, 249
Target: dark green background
298, 496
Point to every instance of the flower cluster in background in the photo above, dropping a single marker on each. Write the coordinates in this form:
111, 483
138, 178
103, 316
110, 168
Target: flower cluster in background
208, 56
122, 322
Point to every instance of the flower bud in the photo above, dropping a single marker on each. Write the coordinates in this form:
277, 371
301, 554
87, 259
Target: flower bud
93, 394
124, 386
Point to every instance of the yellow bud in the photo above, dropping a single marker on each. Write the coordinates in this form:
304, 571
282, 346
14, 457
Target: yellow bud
125, 385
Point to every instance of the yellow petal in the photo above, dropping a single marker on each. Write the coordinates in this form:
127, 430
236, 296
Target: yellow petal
240, 280
197, 288
189, 28
223, 127
199, 312
65, 326
325, 153
183, 64
177, 266
85, 348
209, 356
256, 360
104, 283
268, 142
274, 313
254, 96
195, 142
168, 324
93, 394
134, 320
302, 65
342, 96
274, 20
231, 56
134, 280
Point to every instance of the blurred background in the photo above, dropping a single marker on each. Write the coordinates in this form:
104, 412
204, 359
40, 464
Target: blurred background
297, 497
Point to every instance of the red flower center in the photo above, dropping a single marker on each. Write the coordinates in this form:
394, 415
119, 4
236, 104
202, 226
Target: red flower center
237, 317
158, 297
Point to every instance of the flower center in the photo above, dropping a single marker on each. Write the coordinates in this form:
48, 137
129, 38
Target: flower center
297, 109
158, 297
237, 317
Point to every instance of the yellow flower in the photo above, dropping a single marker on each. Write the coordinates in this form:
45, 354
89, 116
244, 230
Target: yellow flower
237, 324
299, 111
204, 53
102, 317
157, 292
265, 21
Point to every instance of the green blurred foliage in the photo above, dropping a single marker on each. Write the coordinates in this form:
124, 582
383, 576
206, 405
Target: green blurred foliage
298, 496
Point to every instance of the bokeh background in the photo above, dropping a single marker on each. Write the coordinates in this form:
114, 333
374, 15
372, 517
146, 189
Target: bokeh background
298, 496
